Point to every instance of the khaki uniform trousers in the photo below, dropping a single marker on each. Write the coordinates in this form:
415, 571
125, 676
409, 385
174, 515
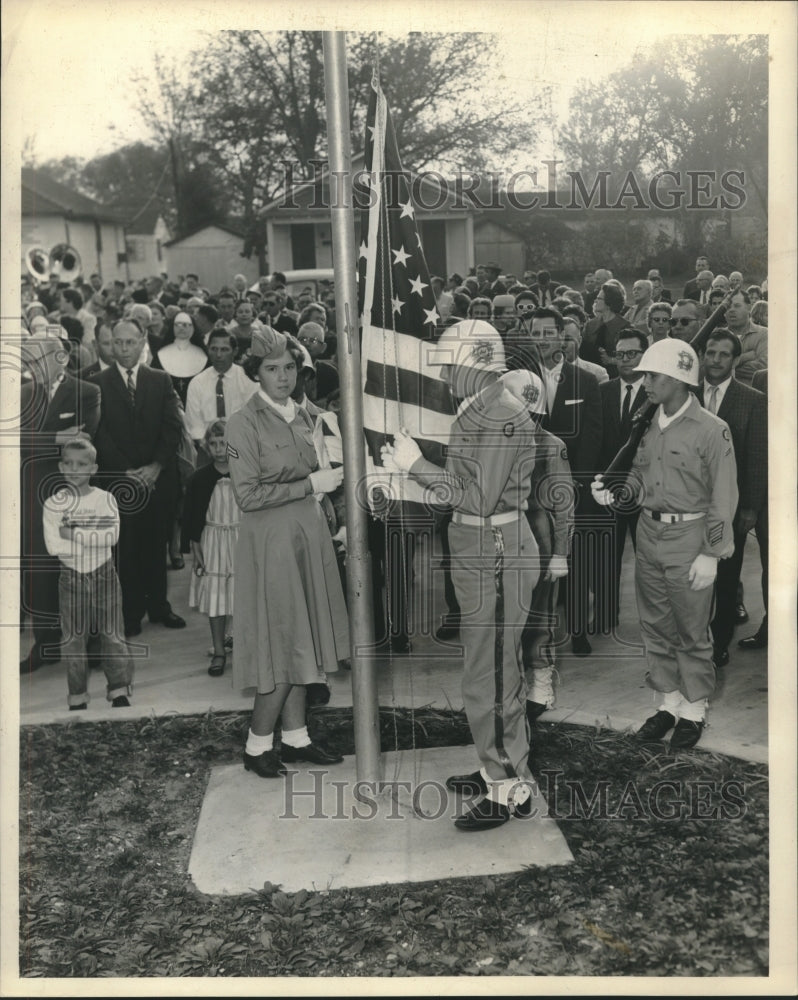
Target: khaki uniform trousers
674, 620
494, 571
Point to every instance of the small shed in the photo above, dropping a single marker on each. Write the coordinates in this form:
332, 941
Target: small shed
147, 234
54, 213
213, 253
299, 235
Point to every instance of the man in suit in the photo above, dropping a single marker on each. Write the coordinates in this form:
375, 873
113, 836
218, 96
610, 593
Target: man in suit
691, 289
488, 276
702, 290
573, 414
55, 408
659, 293
543, 288
621, 397
137, 442
105, 352
745, 411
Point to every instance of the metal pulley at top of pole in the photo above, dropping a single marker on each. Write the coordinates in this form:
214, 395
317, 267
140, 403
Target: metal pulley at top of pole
365, 704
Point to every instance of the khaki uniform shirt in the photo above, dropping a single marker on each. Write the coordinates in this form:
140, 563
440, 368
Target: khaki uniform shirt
552, 488
490, 456
689, 467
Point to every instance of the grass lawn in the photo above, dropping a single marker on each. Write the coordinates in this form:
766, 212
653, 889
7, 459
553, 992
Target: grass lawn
108, 813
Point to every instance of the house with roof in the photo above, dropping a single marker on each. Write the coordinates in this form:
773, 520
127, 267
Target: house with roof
299, 234
213, 252
146, 236
54, 213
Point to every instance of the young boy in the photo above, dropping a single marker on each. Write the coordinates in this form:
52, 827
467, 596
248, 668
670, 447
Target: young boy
81, 525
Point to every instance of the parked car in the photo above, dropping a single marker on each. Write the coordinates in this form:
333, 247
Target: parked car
295, 281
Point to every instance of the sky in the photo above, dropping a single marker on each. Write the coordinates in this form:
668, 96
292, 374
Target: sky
80, 101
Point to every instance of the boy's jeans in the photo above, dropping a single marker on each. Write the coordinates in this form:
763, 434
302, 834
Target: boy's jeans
91, 604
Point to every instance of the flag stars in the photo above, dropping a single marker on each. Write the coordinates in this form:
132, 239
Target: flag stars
397, 304
432, 316
407, 209
400, 256
416, 285
363, 251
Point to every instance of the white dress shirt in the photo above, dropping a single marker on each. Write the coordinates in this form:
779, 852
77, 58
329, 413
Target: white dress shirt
551, 379
721, 387
201, 397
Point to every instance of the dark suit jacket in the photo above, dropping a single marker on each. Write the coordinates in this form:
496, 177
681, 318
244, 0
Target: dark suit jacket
613, 435
549, 289
664, 296
691, 290
74, 403
89, 370
760, 381
131, 436
576, 418
745, 411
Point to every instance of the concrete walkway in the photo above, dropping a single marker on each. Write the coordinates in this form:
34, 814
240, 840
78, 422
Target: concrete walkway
292, 849
606, 688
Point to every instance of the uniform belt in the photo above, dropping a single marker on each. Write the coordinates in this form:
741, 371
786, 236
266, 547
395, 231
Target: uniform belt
495, 519
658, 515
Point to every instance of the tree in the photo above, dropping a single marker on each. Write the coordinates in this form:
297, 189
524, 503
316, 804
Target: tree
700, 104
255, 100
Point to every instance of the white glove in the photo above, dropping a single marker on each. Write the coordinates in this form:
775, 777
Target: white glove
728, 552
600, 495
405, 450
703, 571
558, 567
388, 463
326, 480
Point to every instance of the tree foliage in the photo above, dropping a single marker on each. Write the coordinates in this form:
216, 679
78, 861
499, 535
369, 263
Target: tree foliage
691, 103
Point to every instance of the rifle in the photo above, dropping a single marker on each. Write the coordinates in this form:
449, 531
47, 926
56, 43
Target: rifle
622, 462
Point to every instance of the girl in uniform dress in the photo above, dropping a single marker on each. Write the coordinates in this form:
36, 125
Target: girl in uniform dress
210, 525
289, 604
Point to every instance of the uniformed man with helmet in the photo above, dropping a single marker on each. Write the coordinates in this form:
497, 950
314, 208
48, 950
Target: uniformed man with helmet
494, 559
685, 477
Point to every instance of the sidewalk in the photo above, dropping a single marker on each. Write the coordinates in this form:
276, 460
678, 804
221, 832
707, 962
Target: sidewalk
606, 688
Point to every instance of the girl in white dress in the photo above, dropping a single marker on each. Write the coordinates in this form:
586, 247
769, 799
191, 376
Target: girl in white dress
210, 524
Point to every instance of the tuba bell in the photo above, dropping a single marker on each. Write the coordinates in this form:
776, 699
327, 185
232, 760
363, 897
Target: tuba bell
63, 260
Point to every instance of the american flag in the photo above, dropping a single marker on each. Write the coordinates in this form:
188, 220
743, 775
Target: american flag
398, 312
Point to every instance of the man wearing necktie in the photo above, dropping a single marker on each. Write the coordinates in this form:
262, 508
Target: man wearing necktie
745, 411
137, 440
620, 398
217, 391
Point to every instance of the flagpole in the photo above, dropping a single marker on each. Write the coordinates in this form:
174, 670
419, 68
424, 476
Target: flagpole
365, 703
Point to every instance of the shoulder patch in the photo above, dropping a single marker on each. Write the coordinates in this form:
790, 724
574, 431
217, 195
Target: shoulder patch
564, 454
726, 434
231, 451
509, 429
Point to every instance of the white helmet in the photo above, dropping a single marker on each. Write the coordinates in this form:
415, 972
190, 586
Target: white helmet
472, 343
527, 388
671, 357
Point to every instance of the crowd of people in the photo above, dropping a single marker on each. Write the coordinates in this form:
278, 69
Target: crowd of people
161, 418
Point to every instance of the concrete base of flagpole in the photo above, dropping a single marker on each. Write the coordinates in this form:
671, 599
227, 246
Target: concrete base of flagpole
308, 831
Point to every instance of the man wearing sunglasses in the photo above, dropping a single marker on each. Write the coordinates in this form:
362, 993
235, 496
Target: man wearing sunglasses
685, 320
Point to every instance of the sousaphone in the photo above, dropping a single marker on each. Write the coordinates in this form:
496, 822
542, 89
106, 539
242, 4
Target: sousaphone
62, 259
